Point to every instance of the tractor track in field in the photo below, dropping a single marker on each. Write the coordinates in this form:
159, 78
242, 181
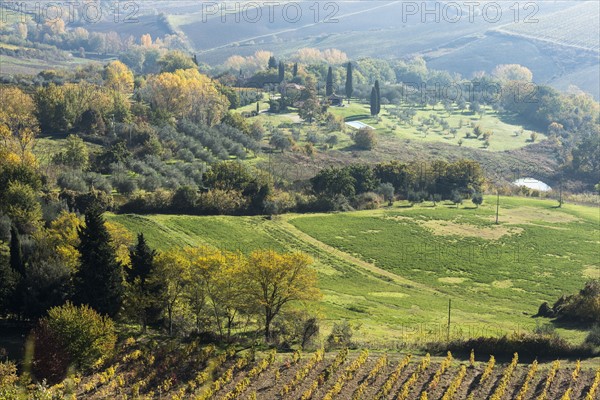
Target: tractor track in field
316, 248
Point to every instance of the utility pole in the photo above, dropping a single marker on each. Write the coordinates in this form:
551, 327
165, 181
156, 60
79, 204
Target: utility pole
497, 205
449, 308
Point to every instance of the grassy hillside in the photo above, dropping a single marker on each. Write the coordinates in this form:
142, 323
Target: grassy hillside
392, 270
10, 65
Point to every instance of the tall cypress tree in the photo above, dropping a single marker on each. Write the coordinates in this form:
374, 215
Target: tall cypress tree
295, 70
373, 102
17, 265
378, 106
99, 280
144, 290
272, 63
329, 83
281, 71
349, 82
16, 253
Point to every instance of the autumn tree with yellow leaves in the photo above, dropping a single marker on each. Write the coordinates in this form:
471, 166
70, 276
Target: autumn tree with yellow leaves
220, 288
18, 125
119, 77
273, 280
186, 94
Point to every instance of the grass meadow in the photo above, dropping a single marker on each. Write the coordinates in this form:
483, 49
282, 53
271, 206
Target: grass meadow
392, 271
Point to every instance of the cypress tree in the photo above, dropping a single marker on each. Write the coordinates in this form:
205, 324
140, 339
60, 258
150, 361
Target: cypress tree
378, 106
373, 102
272, 63
18, 286
146, 289
349, 82
329, 83
281, 71
99, 280
295, 70
16, 253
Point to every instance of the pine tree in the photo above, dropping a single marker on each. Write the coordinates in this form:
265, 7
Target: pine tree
99, 280
329, 83
373, 102
349, 82
281, 71
144, 291
295, 70
378, 105
272, 63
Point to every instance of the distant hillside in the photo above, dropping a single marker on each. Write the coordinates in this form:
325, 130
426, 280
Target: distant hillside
376, 29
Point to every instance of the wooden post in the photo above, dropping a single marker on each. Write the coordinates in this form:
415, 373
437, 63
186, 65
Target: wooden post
449, 308
497, 205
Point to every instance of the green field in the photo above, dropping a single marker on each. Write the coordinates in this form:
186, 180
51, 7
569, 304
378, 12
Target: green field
503, 138
392, 130
392, 271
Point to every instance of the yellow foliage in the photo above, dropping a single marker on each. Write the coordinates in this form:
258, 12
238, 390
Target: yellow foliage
187, 93
119, 77
121, 239
18, 124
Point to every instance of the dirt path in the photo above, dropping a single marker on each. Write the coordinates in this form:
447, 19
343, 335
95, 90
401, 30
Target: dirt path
372, 268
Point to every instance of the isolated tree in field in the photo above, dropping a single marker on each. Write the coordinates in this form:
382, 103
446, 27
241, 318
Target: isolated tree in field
477, 199
373, 102
329, 82
349, 82
274, 280
477, 131
280, 141
386, 190
533, 137
310, 109
272, 63
99, 280
378, 91
281, 71
456, 197
365, 139
331, 140
143, 290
